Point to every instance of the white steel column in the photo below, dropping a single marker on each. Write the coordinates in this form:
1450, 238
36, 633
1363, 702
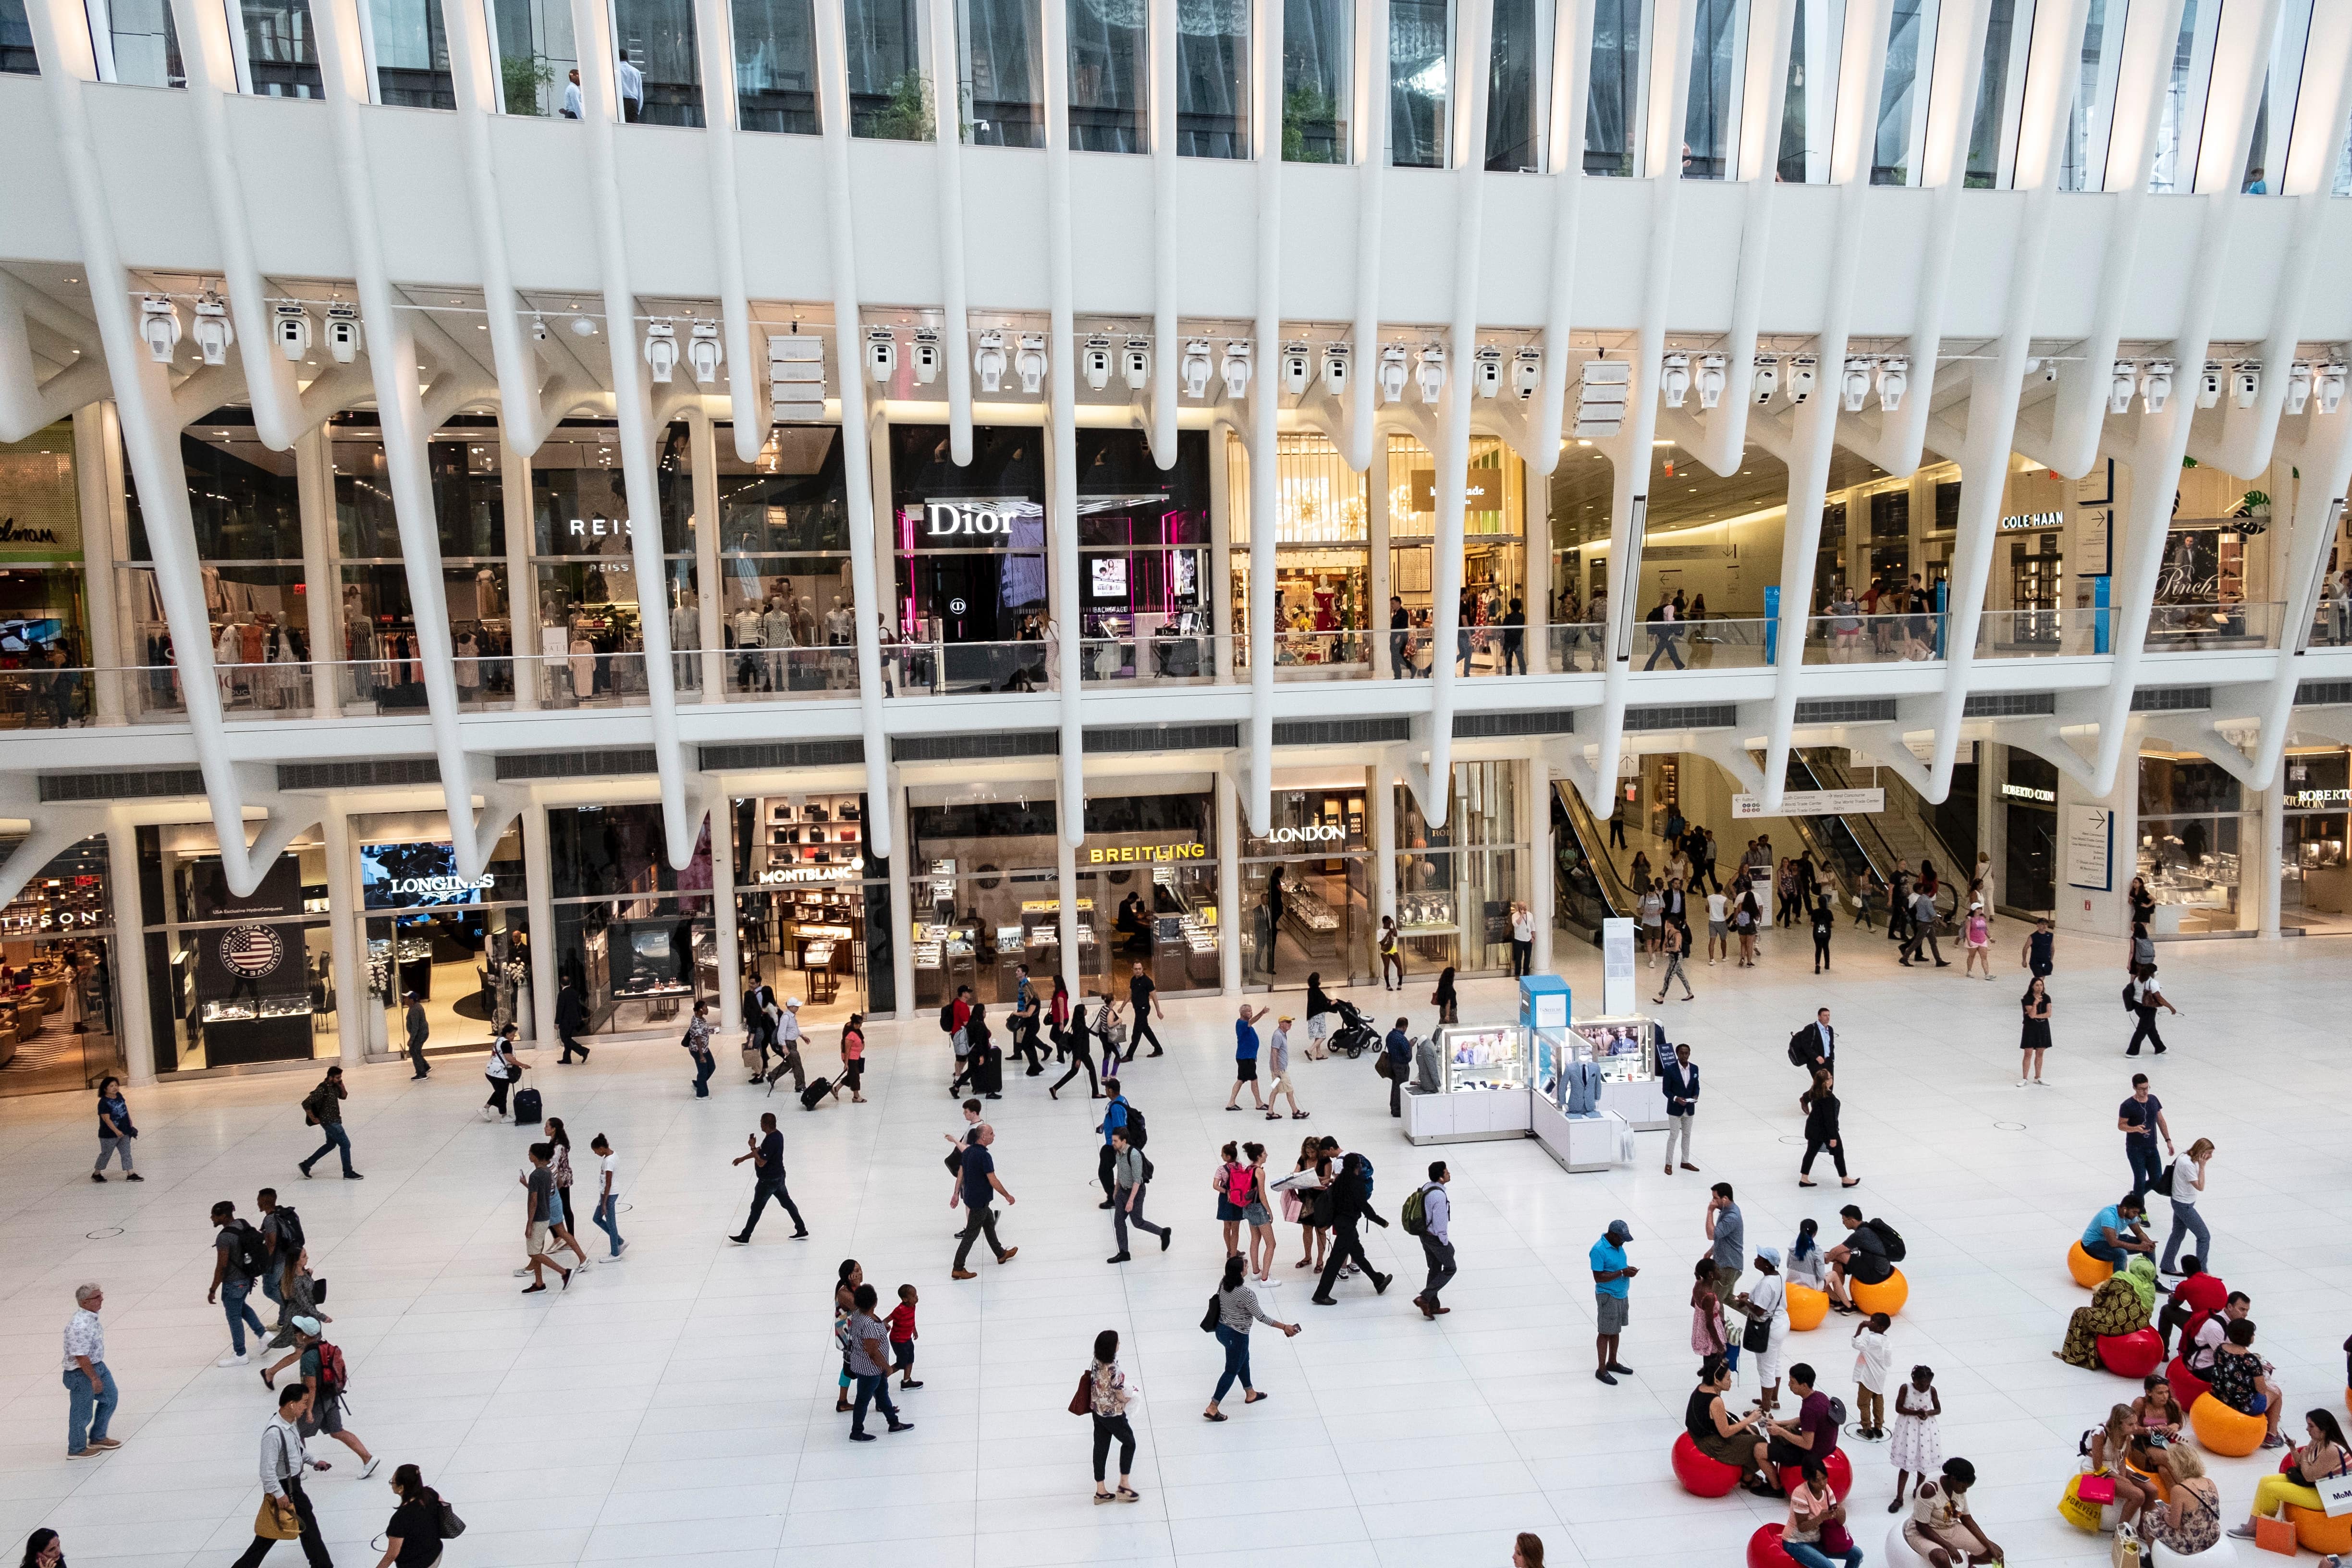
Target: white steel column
1062, 451
903, 870
1571, 79
314, 489
137, 1028
886, 537
1376, 529
1264, 402
1541, 869
1379, 783
1229, 885
346, 910
1367, 139
518, 514
709, 582
724, 925
546, 959
1065, 896
94, 436
947, 132
747, 382
1161, 107
2269, 894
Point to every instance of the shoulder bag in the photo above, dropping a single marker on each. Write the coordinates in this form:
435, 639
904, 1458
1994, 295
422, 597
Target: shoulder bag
1082, 1403
2334, 1492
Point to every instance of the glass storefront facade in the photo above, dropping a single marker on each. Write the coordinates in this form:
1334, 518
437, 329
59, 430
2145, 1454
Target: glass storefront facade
1323, 615
589, 650
1494, 545
2314, 879
1148, 871
44, 646
985, 893
1457, 879
460, 946
235, 981
58, 1024
2195, 826
633, 937
812, 906
1308, 887
784, 565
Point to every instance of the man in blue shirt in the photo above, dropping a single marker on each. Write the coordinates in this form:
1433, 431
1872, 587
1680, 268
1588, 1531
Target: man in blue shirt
1612, 1276
979, 1188
2115, 1233
1399, 1047
1113, 1118
1245, 1059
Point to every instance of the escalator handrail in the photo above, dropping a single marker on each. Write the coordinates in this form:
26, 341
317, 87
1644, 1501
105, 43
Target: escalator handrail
1614, 891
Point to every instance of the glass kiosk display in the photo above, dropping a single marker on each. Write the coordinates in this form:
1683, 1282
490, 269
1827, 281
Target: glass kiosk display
1625, 1050
1488, 1070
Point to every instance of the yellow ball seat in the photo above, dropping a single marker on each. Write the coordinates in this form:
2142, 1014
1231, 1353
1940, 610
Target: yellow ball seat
2089, 1272
1807, 1306
2315, 1531
2223, 1430
1887, 1296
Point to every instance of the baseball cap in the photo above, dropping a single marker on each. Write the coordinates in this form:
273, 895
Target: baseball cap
1619, 1231
306, 1325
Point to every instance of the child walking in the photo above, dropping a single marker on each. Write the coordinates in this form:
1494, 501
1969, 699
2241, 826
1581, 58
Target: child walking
1871, 1354
1917, 1447
902, 1337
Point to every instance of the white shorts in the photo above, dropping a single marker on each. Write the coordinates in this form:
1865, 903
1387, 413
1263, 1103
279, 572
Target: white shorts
1318, 1027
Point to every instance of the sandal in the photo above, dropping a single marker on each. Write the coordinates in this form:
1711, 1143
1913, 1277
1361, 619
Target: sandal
1298, 1116
1129, 1494
1253, 1397
1102, 1498
1212, 1415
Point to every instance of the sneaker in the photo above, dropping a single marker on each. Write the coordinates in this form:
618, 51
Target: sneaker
622, 1250
134, 1176
96, 1177
368, 1469
353, 1176
107, 1444
521, 1271
234, 1358
2241, 1533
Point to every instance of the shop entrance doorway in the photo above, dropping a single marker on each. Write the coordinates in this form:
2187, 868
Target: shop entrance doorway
57, 1025
470, 969
1307, 914
2032, 882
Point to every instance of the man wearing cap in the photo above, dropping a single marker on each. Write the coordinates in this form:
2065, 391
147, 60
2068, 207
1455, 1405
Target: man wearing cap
788, 1045
1612, 1276
326, 1412
417, 1030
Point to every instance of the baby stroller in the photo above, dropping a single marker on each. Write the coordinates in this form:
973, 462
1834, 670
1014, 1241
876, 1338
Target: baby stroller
1356, 1034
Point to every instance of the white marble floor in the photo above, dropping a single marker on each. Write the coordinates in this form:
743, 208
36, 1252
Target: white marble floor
676, 1406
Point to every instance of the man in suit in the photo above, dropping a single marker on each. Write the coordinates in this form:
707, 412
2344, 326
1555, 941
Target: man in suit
1820, 1044
417, 1030
571, 1017
759, 1020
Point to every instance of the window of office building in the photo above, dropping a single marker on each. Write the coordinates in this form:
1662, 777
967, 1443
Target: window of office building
59, 1025
1457, 879
1317, 79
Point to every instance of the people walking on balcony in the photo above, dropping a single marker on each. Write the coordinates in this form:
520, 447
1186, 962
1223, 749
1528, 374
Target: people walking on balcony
1665, 630
1515, 639
1400, 639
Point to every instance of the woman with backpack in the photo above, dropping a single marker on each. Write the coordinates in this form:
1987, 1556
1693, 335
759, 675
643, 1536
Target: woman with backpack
419, 1525
1235, 1186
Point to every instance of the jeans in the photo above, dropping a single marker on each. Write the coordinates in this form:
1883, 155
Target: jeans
1807, 1555
1665, 642
982, 1222
1121, 1216
108, 1147
2116, 1255
232, 1297
1679, 1127
2145, 1165
608, 1220
764, 1190
314, 1549
1514, 653
1397, 642
1237, 1368
337, 1141
872, 1390
1106, 1428
2185, 1221
416, 1057
705, 1064
87, 1411
1439, 1256
271, 1288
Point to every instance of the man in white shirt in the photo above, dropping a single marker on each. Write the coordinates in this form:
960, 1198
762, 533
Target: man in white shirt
571, 96
632, 89
787, 1047
283, 1461
1718, 927
90, 1387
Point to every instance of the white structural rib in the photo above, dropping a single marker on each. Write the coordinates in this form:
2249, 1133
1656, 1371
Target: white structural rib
1360, 441
591, 28
28, 403
1572, 74
1995, 381
2241, 52
746, 369
856, 445
1067, 650
150, 439
947, 132
1265, 403
1166, 278
1861, 72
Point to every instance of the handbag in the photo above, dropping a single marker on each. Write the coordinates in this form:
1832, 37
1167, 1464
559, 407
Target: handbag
274, 1521
1215, 1314
750, 1058
452, 1526
1082, 1403
2100, 1489
1836, 1542
1755, 1336
2335, 1494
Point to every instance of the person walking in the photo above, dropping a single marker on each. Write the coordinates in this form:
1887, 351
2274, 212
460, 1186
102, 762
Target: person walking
985, 1065
92, 1392
2188, 1186
322, 1372
1078, 1039
418, 1029
1448, 1005
2039, 955
1718, 927
564, 1212
1815, 1046
1821, 1132
979, 1187
759, 1021
1348, 1205
1436, 1240
1976, 935
2034, 1040
571, 1017
1924, 921
608, 1199
697, 1043
281, 1244
413, 1538
1246, 1044
1028, 1016
955, 1015
1676, 943
1612, 1279
2145, 997
324, 1107
2140, 1120
1143, 1001
1057, 1018
1681, 1082
239, 1260
787, 1044
1726, 1235
1523, 938
538, 1220
1130, 1173
852, 1060
869, 1363
1236, 1305
1108, 1396
284, 1502
766, 1152
502, 1070
1391, 955
1278, 1085
1824, 919
1115, 1116
1747, 916
114, 1131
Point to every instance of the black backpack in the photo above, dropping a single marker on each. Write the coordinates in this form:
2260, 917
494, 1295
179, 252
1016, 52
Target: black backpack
1137, 1135
252, 1258
1800, 1047
2162, 1186
947, 1018
289, 1230
2130, 1006
1888, 1237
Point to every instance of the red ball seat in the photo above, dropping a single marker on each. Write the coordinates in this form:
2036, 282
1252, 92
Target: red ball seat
1702, 1476
2135, 1354
2187, 1387
1765, 1549
1840, 1469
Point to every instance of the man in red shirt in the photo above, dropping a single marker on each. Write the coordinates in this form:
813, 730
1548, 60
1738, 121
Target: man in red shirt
2195, 1299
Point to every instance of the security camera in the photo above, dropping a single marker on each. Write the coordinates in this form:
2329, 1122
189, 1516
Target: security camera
1336, 361
881, 354
1527, 374
212, 329
1233, 369
1393, 373
1894, 378
2208, 385
1486, 370
661, 350
925, 356
292, 331
2298, 386
988, 361
1801, 369
1767, 379
159, 326
2328, 385
1297, 369
1854, 386
1709, 380
1094, 361
1429, 373
1029, 363
2122, 382
538, 328
1674, 379
343, 331
2156, 384
1135, 363
1196, 368
2245, 381
704, 354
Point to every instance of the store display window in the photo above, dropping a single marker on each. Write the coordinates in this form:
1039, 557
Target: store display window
1457, 880
2316, 881
45, 648
589, 647
2192, 830
1143, 536
58, 1025
234, 980
985, 895
1305, 899
1149, 868
970, 594
635, 941
786, 604
460, 946
813, 905
1494, 543
1322, 557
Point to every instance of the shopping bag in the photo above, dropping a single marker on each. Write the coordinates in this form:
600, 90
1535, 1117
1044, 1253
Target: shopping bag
2336, 1495
2274, 1535
751, 1058
2099, 1489
2123, 1551
2084, 1516
277, 1521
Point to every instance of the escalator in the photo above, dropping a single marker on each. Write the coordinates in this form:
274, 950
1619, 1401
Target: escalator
1847, 846
1587, 887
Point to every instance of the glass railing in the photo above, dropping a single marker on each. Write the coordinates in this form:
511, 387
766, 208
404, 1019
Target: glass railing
2043, 634
1327, 656
937, 668
1165, 657
2204, 629
1579, 647
776, 674
1858, 638
1709, 644
2331, 624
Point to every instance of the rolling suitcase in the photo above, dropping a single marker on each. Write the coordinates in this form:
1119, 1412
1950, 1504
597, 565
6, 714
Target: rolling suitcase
815, 1092
527, 1107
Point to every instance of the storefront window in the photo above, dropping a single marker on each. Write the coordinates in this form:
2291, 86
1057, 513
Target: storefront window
2192, 831
1322, 556
984, 891
971, 570
1143, 537
45, 649
2316, 881
813, 908
58, 1027
634, 939
1456, 881
459, 945
1305, 899
1149, 869
591, 639
234, 980
785, 600
1494, 545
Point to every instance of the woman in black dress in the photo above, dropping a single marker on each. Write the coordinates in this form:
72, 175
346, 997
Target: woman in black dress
986, 1061
1079, 1037
2035, 1039
1448, 1009
1821, 1103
